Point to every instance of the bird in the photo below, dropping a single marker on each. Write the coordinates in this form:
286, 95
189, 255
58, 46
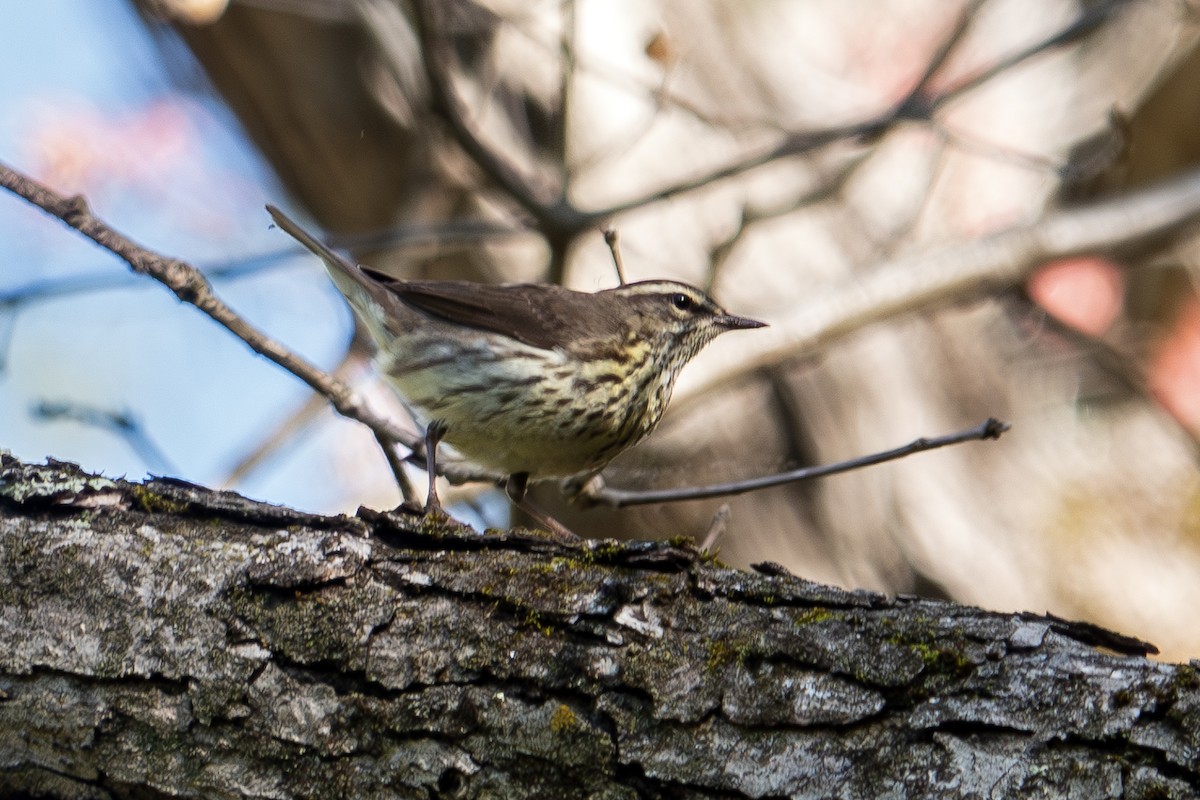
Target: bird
531, 381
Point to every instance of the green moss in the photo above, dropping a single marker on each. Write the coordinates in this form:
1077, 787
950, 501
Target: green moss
154, 503
433, 525
813, 616
544, 567
533, 619
723, 652
720, 653
1186, 678
606, 550
944, 660
564, 720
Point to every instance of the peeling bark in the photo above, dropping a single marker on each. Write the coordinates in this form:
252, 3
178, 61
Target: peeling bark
161, 639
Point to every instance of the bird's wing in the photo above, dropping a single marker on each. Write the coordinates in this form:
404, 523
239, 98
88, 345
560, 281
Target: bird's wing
539, 315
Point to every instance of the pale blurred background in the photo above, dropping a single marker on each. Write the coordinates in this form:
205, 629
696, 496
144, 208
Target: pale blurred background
690, 127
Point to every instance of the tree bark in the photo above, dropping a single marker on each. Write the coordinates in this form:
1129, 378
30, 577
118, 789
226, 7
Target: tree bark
161, 639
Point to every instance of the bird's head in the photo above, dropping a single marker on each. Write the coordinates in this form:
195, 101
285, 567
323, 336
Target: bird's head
676, 319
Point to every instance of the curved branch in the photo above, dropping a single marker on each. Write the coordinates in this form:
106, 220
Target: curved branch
622, 498
190, 286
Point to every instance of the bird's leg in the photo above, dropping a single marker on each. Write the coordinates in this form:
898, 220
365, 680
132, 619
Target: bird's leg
433, 434
515, 487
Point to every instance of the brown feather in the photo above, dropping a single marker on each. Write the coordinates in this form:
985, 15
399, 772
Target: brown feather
539, 315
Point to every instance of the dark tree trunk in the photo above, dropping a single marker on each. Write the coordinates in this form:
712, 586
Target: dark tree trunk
160, 639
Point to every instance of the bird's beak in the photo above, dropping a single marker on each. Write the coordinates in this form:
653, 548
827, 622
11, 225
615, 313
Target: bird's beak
732, 323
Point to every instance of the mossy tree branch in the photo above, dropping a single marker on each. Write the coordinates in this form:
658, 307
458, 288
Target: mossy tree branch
160, 639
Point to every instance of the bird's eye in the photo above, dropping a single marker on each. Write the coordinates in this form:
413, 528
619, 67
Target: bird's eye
681, 301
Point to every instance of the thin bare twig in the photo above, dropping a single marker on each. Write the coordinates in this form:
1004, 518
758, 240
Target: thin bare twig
622, 498
190, 286
795, 144
396, 464
612, 238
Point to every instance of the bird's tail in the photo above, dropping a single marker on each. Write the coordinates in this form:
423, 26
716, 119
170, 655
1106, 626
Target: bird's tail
363, 292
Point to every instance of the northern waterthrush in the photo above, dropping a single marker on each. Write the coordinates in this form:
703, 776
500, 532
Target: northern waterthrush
533, 381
